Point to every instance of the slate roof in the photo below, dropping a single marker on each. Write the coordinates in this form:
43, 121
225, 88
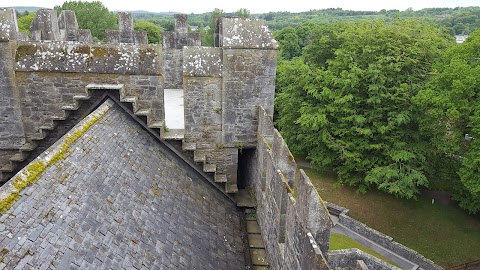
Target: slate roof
120, 201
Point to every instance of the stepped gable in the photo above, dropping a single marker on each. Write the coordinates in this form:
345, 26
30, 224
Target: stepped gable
118, 200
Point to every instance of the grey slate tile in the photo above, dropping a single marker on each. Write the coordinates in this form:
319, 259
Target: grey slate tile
107, 202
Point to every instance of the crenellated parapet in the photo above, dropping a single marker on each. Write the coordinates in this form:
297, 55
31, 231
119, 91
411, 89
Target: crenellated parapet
57, 56
125, 32
294, 220
69, 31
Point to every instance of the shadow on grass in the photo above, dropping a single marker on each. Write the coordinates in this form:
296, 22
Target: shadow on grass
445, 234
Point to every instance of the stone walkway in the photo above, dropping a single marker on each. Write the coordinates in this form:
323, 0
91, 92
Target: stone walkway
119, 201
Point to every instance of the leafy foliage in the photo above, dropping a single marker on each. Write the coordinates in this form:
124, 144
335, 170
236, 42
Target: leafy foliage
348, 104
243, 13
154, 31
452, 116
91, 15
24, 22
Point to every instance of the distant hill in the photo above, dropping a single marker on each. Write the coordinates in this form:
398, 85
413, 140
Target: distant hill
149, 12
29, 9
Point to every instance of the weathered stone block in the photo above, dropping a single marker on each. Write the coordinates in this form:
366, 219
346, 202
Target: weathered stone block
67, 20
203, 108
311, 208
202, 62
181, 24
194, 39
168, 40
11, 126
45, 25
125, 21
141, 37
84, 35
173, 68
248, 82
126, 32
284, 160
246, 33
84, 58
8, 24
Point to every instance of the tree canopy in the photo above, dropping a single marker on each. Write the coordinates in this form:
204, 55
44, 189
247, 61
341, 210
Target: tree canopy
154, 31
451, 118
25, 21
92, 15
347, 102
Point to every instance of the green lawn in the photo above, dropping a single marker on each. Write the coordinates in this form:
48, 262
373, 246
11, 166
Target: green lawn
445, 234
340, 241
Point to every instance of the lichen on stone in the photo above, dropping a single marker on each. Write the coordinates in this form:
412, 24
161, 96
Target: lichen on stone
35, 170
25, 50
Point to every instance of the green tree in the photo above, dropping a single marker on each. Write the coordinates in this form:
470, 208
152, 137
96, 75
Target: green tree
355, 112
154, 31
24, 22
208, 37
92, 15
289, 43
243, 13
451, 111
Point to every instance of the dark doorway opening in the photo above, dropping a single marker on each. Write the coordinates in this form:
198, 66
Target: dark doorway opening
245, 169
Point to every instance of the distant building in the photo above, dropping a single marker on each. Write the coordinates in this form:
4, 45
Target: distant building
460, 38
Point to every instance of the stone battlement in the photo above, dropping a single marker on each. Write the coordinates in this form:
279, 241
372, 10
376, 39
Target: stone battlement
228, 95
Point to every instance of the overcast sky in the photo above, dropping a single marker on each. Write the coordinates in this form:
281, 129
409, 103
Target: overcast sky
255, 6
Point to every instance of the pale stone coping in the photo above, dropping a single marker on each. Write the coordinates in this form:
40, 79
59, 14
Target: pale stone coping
8, 188
93, 86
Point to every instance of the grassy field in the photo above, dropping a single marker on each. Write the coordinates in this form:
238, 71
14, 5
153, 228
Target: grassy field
339, 241
444, 234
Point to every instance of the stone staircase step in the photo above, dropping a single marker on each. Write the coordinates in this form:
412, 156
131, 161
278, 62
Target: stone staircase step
158, 124
231, 188
39, 136
189, 146
143, 112
245, 199
81, 97
48, 126
209, 167
220, 178
19, 157
131, 99
30, 146
70, 107
172, 134
7, 168
199, 156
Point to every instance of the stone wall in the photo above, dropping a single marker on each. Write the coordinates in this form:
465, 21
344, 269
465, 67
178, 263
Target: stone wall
347, 258
68, 26
45, 25
11, 127
249, 70
44, 94
173, 44
202, 86
387, 242
57, 56
125, 32
295, 227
